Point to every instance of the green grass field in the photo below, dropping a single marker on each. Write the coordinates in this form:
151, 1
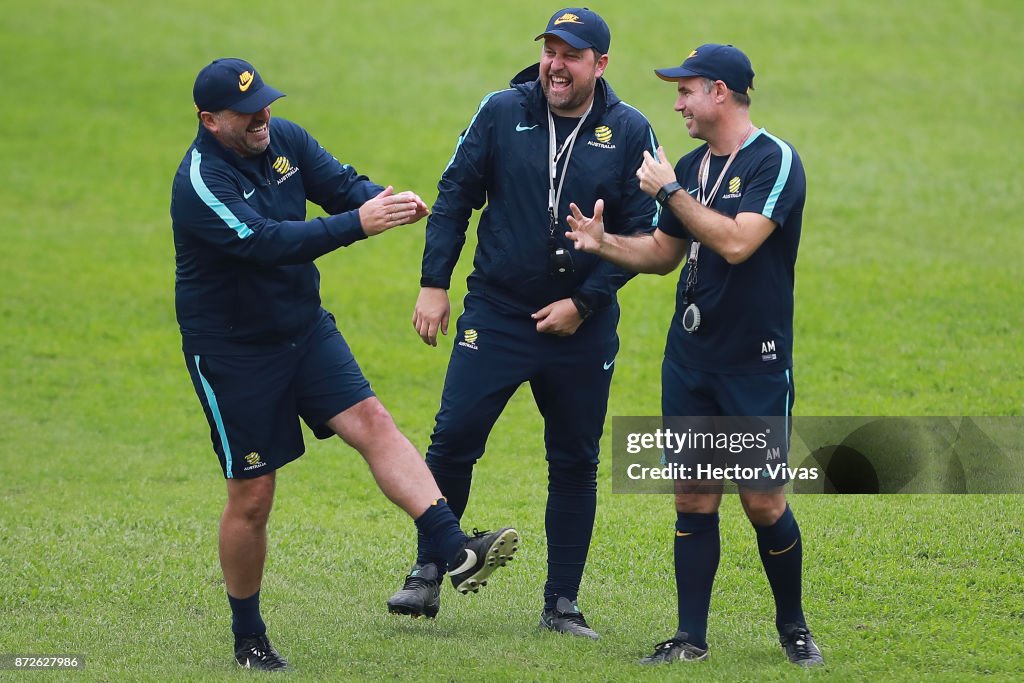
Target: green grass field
909, 298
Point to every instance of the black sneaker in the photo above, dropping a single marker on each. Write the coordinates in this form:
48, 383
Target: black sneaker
567, 618
256, 652
482, 554
421, 594
799, 646
676, 649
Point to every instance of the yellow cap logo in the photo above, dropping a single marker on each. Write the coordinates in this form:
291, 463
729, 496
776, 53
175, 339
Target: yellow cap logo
471, 336
568, 18
253, 458
603, 133
244, 80
692, 54
734, 185
282, 165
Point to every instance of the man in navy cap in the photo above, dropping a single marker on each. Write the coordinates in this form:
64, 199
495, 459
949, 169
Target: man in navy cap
734, 208
260, 349
534, 312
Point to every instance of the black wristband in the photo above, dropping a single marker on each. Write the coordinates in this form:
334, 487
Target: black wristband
582, 306
667, 191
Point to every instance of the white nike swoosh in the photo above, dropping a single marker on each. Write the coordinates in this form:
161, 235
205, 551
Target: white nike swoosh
249, 193
609, 364
470, 561
693, 191
520, 127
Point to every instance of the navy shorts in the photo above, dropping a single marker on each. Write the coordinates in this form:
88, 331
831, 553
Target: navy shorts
253, 403
694, 401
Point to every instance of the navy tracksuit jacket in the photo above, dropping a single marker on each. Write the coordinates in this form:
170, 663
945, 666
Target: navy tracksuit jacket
501, 161
245, 278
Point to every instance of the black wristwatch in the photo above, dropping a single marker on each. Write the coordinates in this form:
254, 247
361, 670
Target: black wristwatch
667, 191
583, 306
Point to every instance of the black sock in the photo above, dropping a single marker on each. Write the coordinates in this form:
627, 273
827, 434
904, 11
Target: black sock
440, 528
782, 556
454, 482
569, 521
245, 616
698, 547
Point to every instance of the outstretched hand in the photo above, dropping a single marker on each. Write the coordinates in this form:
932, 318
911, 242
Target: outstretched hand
388, 210
587, 234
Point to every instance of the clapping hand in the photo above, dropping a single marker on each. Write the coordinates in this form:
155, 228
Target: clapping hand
388, 210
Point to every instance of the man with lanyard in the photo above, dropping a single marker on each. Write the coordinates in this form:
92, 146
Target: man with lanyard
738, 202
535, 312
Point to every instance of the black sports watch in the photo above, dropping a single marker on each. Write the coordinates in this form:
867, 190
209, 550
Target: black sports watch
667, 191
583, 305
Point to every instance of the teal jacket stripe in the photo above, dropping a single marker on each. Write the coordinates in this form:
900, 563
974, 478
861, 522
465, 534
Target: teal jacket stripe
211, 398
211, 200
472, 121
780, 182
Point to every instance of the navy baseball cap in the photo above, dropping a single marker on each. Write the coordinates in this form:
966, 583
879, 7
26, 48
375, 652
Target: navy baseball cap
232, 84
717, 62
580, 27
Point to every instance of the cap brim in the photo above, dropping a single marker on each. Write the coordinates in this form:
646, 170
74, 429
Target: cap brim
675, 73
574, 41
258, 100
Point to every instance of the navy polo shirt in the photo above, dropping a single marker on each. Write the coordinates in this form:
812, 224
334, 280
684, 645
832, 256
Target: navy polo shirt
746, 309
